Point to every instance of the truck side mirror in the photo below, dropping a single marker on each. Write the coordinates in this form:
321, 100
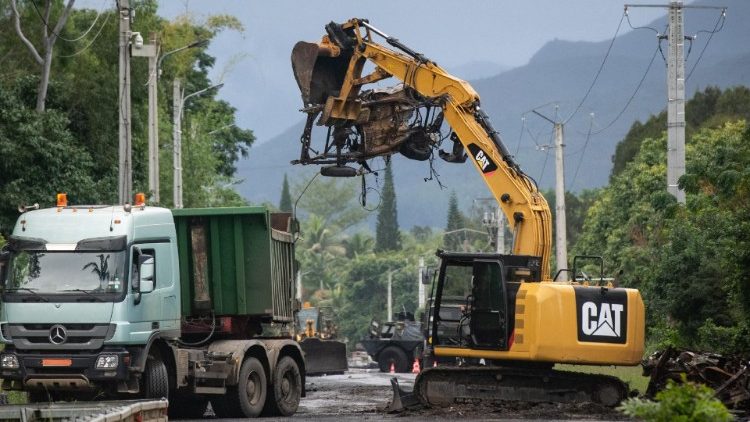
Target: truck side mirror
146, 273
426, 279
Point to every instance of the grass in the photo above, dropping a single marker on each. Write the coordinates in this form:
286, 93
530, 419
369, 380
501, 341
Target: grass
632, 375
16, 397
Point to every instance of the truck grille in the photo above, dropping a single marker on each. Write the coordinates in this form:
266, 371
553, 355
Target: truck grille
66, 336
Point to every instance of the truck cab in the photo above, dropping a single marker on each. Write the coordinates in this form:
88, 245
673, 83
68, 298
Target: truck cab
85, 289
138, 301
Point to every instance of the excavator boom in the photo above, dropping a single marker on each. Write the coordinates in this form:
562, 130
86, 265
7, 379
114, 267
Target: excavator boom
515, 318
329, 75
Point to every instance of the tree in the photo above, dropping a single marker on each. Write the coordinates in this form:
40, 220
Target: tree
332, 199
40, 159
285, 204
387, 235
456, 221
49, 37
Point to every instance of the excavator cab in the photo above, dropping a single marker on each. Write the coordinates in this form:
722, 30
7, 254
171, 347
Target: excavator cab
489, 308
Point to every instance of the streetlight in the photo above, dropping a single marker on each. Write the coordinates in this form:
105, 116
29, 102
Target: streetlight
155, 60
179, 104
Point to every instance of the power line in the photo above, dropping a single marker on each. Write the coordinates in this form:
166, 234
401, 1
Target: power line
634, 28
98, 14
598, 72
583, 152
637, 88
106, 21
722, 19
523, 126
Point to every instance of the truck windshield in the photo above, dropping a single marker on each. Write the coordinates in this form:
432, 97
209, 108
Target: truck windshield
69, 272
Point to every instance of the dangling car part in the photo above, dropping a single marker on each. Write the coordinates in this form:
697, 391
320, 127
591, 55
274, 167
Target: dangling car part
516, 318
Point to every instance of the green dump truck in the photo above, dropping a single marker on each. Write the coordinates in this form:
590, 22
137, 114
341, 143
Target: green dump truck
123, 302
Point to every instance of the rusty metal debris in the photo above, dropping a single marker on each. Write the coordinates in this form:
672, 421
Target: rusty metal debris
727, 375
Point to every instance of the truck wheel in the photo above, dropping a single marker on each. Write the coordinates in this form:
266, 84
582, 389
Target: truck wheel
286, 391
393, 355
248, 397
155, 379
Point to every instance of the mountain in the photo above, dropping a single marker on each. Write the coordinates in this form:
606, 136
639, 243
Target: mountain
561, 71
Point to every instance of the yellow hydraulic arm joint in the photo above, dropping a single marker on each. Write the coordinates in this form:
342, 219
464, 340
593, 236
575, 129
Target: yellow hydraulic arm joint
524, 206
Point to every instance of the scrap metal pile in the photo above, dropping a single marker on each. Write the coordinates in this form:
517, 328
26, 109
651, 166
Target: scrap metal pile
727, 375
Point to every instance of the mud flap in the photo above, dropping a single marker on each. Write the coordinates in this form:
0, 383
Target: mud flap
401, 400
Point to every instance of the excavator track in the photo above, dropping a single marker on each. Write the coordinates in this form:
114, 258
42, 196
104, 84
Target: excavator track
446, 386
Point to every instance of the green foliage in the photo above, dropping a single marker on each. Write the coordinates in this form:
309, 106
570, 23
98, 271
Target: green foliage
686, 402
453, 241
334, 200
40, 159
76, 146
710, 108
285, 204
690, 262
387, 236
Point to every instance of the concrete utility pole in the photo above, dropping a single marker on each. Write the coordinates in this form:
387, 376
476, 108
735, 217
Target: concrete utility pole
390, 296
151, 51
675, 101
177, 143
561, 237
675, 91
179, 105
125, 167
420, 289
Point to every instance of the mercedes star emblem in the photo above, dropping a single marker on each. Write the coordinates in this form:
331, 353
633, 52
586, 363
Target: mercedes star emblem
58, 334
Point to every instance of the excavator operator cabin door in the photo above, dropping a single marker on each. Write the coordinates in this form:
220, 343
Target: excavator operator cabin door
489, 307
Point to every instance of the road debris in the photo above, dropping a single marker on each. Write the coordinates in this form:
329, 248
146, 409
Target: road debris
727, 375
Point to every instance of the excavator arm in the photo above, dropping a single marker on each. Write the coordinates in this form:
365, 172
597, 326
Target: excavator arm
330, 77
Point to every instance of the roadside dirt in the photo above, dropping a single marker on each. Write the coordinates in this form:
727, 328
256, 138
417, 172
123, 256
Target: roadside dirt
364, 394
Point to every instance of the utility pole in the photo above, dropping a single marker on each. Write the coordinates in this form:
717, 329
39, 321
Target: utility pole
151, 51
179, 104
675, 101
177, 143
390, 297
125, 168
675, 91
561, 237
420, 276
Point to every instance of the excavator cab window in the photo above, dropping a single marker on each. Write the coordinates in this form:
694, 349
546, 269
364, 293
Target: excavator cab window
489, 308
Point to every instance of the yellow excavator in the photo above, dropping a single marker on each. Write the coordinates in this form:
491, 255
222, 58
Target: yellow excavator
517, 320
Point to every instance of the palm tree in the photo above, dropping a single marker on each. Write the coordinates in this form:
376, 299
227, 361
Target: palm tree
101, 269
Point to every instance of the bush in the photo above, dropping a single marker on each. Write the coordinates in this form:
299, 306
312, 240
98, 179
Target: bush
685, 402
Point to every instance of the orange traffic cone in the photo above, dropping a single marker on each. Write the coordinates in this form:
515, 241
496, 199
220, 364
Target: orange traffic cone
415, 367
393, 368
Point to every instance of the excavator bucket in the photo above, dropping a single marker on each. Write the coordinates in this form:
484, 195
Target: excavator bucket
324, 356
319, 70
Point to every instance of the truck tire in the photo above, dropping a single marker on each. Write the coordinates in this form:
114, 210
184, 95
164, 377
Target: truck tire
393, 355
286, 391
155, 379
247, 398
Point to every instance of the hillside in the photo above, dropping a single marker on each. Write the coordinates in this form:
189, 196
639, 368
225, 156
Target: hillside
560, 72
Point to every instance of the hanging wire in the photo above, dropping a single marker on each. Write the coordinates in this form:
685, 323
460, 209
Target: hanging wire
583, 152
598, 72
46, 24
717, 28
106, 21
523, 126
632, 96
638, 27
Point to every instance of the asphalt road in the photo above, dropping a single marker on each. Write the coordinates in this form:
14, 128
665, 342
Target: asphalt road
363, 395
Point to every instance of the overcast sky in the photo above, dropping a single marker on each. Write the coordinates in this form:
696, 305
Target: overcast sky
255, 64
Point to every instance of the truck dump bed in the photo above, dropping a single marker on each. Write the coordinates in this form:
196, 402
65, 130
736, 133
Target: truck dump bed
227, 257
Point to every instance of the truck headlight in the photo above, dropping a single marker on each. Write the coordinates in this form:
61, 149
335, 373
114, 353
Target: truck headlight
107, 362
8, 361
